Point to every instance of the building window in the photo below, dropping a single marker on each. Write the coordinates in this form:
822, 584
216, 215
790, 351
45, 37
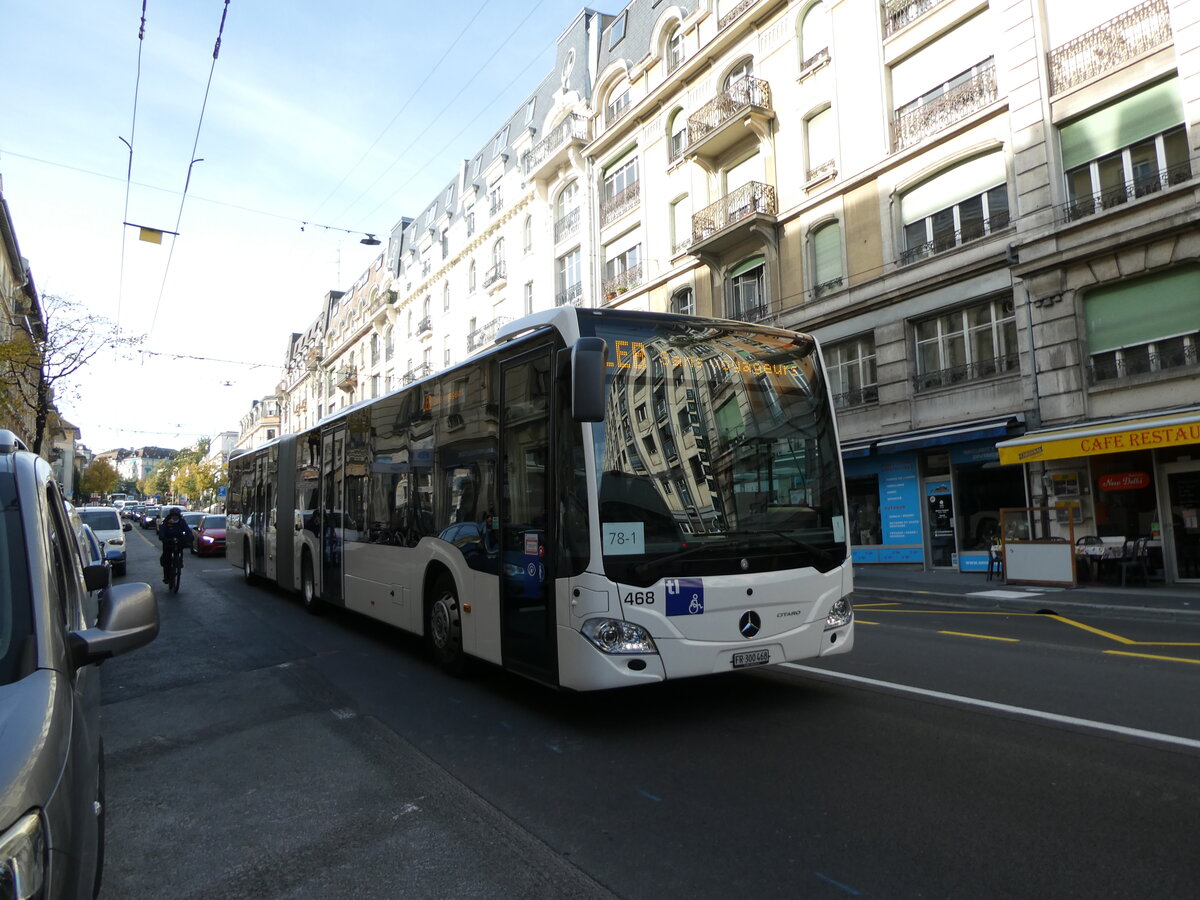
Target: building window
677, 132
616, 31
374, 386
618, 104
1144, 325
976, 342
528, 297
270, 434
826, 243
498, 252
673, 50
449, 197
683, 302
1128, 149
820, 137
470, 219
471, 276
962, 204
813, 31
501, 142
476, 166
495, 199
569, 279
740, 72
681, 225
529, 111
850, 367
566, 212
374, 349
446, 297
527, 234
747, 291
389, 343
622, 270
622, 191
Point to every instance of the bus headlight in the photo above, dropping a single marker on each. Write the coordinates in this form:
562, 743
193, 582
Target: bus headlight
839, 614
618, 636
23, 859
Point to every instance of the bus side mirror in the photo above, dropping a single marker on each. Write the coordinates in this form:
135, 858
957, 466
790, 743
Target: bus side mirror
587, 379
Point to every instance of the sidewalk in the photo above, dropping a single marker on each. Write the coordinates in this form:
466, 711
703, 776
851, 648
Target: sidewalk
973, 590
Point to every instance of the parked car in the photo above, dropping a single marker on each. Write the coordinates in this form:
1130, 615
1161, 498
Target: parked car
52, 801
110, 529
150, 517
210, 536
193, 519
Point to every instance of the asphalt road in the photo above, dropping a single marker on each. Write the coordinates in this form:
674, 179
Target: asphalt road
256, 751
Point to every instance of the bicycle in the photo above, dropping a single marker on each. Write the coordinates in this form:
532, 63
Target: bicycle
174, 566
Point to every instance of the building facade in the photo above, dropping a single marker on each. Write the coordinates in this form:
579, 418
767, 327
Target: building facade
985, 209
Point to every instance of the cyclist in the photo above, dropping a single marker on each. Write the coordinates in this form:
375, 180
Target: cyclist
172, 529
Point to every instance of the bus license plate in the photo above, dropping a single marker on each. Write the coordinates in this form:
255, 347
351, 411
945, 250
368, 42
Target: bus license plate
751, 658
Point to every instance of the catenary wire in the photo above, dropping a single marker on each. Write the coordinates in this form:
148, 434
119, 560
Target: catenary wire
129, 168
188, 180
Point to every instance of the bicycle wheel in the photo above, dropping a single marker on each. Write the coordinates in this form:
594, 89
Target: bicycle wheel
176, 571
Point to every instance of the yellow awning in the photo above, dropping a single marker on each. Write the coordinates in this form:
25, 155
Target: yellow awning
1095, 438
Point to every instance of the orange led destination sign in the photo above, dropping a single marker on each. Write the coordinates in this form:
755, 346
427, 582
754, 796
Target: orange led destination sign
633, 355
1096, 444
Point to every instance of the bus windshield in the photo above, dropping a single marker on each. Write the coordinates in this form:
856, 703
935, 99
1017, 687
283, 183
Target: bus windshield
717, 454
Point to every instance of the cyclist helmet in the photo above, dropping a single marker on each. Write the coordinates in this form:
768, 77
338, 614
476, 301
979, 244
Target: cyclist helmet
174, 511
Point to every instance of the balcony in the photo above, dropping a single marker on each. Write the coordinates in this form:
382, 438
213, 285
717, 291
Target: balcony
950, 239
860, 397
548, 154
918, 120
722, 122
733, 217
485, 334
1180, 353
1090, 204
925, 381
820, 173
623, 282
570, 296
494, 277
619, 204
567, 225
416, 373
828, 287
733, 15
1107, 46
347, 379
425, 326
899, 13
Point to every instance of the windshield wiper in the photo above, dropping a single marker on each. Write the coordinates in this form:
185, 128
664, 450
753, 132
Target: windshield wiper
811, 548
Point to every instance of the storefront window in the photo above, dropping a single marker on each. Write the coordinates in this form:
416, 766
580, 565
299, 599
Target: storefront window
863, 496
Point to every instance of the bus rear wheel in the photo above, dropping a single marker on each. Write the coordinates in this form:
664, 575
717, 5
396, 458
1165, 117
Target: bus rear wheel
444, 628
308, 587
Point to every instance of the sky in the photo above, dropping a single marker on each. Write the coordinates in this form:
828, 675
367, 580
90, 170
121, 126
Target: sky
342, 116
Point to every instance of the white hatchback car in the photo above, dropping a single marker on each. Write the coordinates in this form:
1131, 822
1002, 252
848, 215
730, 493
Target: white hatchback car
106, 522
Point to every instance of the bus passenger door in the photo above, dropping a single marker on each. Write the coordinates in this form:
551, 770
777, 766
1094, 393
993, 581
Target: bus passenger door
527, 620
333, 448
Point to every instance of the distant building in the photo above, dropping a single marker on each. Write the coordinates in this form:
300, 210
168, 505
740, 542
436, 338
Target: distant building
261, 424
20, 318
134, 465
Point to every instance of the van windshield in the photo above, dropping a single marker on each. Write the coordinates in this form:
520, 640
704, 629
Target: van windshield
101, 519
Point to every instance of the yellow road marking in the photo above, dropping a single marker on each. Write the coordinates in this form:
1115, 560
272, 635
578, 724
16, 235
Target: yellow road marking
1122, 640
865, 622
873, 605
982, 637
1195, 662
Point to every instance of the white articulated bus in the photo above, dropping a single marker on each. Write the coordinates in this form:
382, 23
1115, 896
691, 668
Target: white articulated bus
602, 498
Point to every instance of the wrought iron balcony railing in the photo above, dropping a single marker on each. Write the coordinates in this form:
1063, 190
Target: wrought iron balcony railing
567, 225
426, 324
828, 286
987, 368
822, 171
860, 397
750, 313
573, 128
743, 94
571, 296
752, 197
682, 244
494, 274
729, 17
1106, 46
899, 13
1111, 368
814, 62
484, 334
496, 203
951, 239
1089, 204
416, 373
915, 121
623, 282
619, 204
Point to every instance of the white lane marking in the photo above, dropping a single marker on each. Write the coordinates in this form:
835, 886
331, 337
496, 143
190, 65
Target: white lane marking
1003, 707
1005, 595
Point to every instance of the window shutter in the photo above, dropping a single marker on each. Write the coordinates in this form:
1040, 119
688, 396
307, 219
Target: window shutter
1142, 310
952, 54
1122, 123
949, 187
827, 253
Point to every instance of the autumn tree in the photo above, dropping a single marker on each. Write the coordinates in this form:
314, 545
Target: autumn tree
38, 370
98, 478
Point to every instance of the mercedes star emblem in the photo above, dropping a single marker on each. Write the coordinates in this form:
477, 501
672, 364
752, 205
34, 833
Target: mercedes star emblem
749, 624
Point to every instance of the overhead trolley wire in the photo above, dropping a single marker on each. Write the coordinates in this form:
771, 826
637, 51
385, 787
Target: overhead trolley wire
129, 169
188, 180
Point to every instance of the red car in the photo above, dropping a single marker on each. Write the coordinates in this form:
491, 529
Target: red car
210, 536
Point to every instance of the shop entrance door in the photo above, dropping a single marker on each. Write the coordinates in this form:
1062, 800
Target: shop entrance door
939, 520
1181, 534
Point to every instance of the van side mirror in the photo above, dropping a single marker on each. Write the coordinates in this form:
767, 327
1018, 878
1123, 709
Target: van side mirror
587, 379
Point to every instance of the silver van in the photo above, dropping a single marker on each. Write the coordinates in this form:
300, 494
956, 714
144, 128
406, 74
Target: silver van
51, 640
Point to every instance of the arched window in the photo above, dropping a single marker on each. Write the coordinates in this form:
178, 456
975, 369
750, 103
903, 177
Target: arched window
683, 302
673, 48
498, 252
677, 132
826, 247
740, 72
813, 31
410, 323
446, 297
567, 200
471, 276
375, 348
618, 102
427, 309
527, 234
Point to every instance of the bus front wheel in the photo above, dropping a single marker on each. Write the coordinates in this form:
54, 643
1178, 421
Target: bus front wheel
445, 628
248, 565
308, 586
